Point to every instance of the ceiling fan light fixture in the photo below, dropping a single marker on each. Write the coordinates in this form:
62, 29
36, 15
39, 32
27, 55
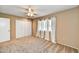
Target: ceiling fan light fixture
31, 12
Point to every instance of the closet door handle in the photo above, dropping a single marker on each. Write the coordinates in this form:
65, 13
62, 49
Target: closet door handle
8, 30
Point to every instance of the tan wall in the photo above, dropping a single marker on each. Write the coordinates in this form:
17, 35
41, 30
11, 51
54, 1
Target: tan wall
34, 27
67, 27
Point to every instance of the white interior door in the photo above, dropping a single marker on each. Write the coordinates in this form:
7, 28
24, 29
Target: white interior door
4, 29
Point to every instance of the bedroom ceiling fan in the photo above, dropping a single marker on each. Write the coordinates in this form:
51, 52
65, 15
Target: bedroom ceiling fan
29, 11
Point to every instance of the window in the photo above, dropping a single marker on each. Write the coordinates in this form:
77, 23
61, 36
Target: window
42, 25
45, 25
48, 25
39, 25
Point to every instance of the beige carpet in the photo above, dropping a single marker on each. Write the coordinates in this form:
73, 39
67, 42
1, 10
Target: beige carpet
34, 45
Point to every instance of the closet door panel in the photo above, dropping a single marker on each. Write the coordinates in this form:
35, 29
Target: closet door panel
4, 29
19, 29
23, 28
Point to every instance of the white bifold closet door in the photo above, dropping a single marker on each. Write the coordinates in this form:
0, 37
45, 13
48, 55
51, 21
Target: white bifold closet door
23, 28
4, 29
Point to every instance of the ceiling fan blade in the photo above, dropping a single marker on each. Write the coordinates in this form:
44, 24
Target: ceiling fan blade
35, 14
26, 9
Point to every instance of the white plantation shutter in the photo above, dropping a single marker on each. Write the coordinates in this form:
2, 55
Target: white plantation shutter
39, 26
45, 25
49, 25
53, 27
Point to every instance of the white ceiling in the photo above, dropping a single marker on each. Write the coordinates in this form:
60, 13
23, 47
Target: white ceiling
41, 9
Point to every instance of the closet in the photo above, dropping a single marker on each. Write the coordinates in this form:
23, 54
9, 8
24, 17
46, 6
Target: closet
4, 29
23, 28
